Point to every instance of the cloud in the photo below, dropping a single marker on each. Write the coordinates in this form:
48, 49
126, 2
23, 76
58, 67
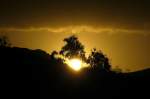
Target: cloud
77, 29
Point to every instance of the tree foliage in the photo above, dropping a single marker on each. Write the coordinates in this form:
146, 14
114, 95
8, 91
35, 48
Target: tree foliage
73, 48
4, 42
98, 60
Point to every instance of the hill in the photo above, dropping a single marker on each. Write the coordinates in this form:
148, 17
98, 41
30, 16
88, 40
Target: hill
35, 74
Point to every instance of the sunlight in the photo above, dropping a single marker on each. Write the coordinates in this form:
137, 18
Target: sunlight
75, 64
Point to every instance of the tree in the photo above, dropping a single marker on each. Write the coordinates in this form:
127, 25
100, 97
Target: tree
98, 60
73, 48
4, 42
54, 53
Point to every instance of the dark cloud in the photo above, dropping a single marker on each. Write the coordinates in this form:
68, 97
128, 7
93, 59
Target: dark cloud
105, 13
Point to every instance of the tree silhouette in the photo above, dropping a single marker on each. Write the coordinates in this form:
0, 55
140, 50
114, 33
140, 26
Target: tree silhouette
98, 60
73, 48
53, 54
4, 42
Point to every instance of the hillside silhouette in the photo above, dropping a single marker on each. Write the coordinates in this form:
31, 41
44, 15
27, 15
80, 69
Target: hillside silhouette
36, 74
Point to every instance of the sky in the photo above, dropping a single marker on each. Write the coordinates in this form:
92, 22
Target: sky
120, 28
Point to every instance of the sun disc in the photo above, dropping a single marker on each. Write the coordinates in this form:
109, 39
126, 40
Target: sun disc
75, 64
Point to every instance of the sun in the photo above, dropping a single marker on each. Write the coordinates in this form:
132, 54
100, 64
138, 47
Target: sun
75, 64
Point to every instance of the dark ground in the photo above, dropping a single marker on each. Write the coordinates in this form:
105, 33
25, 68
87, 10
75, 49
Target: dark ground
37, 75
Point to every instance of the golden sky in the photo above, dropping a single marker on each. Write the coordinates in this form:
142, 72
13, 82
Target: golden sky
120, 28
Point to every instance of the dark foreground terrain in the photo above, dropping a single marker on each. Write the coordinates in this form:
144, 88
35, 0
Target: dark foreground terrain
37, 75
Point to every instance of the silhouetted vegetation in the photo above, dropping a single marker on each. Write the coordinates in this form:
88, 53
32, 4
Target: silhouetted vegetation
36, 74
4, 42
73, 48
98, 60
